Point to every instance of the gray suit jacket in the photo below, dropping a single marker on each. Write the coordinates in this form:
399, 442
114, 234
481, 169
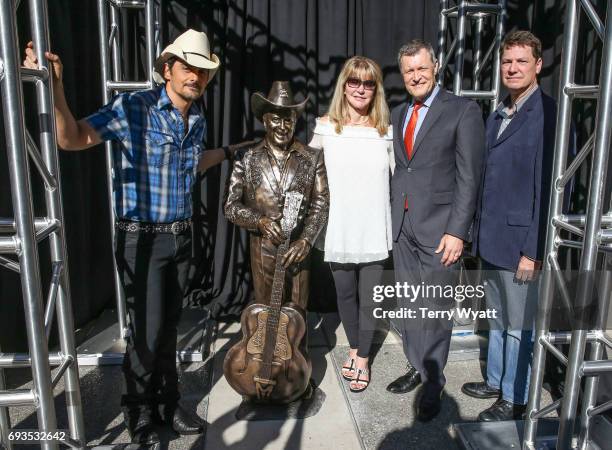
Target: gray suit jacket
440, 182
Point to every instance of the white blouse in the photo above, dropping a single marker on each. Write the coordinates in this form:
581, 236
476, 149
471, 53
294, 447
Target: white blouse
358, 162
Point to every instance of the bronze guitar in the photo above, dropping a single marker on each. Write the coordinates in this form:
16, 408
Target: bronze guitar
269, 364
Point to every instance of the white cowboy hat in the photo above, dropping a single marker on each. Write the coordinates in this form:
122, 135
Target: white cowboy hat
192, 47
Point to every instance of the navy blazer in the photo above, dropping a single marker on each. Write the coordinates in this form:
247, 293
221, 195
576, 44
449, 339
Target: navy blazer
515, 188
440, 182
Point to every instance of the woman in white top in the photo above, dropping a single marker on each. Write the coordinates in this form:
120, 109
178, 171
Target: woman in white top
358, 148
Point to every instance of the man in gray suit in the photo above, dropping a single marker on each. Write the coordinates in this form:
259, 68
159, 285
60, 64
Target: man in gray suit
439, 144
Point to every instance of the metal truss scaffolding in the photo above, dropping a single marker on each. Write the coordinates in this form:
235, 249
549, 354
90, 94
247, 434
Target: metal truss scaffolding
591, 233
21, 235
477, 13
113, 82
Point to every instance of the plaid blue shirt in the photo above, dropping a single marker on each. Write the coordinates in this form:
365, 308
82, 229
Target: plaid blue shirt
155, 162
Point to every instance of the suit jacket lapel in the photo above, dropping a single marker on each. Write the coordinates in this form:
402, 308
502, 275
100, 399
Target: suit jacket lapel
398, 135
493, 130
515, 124
521, 117
267, 170
432, 115
291, 169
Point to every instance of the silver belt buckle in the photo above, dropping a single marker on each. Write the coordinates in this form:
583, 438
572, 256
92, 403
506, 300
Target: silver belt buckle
176, 228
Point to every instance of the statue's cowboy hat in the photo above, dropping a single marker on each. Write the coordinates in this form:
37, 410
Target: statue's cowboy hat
279, 99
192, 47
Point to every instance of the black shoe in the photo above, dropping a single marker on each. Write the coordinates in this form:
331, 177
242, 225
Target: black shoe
429, 405
502, 410
141, 427
406, 382
183, 422
480, 390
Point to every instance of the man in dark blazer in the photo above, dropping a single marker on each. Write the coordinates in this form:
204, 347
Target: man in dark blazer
439, 145
510, 227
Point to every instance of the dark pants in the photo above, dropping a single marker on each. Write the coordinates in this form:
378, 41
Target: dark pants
153, 268
354, 284
426, 340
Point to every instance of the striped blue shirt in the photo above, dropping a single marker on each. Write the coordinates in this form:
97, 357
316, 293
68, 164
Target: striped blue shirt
155, 160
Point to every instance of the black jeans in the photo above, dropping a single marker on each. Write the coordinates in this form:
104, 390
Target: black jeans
153, 268
354, 284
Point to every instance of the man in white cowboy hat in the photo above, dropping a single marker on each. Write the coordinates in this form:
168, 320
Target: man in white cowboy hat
160, 137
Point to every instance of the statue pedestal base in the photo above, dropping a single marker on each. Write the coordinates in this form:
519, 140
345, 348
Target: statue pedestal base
306, 406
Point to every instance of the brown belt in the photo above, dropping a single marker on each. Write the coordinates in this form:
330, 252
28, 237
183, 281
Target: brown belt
175, 228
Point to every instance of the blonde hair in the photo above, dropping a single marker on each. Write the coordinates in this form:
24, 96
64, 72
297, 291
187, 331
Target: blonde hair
365, 69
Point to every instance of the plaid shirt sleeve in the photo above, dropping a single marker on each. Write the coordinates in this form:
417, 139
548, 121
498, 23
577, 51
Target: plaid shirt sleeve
110, 121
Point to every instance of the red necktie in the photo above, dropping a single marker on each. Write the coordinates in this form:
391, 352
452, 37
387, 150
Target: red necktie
409, 136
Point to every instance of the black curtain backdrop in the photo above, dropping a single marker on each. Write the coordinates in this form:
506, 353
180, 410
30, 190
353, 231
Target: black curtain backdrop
305, 42
258, 41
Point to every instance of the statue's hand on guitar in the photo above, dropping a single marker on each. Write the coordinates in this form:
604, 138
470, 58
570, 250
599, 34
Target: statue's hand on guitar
297, 252
270, 229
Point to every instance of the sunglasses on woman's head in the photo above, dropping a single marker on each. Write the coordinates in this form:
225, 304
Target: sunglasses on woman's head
355, 83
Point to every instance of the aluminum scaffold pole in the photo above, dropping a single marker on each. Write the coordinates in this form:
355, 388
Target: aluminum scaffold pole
113, 82
29, 231
466, 13
555, 208
55, 212
592, 231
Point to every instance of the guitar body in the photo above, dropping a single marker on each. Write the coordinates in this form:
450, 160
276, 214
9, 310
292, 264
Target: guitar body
289, 367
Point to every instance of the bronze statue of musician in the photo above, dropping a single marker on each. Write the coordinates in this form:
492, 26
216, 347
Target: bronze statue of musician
277, 176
